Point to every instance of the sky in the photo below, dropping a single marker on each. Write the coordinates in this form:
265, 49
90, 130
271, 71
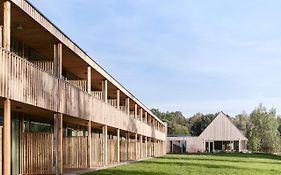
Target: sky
182, 55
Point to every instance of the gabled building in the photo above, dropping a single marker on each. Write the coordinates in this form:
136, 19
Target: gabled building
59, 109
220, 135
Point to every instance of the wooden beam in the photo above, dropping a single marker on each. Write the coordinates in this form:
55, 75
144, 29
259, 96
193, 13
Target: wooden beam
145, 146
7, 25
89, 156
118, 98
105, 135
58, 136
136, 110
89, 79
141, 149
7, 138
127, 146
145, 115
118, 145
141, 114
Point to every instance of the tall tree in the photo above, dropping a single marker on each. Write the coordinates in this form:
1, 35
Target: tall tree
263, 130
241, 121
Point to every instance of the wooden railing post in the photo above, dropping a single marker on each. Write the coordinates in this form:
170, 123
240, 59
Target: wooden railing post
127, 104
136, 111
141, 149
7, 138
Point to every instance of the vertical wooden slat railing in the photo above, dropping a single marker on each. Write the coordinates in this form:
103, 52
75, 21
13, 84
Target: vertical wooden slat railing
123, 108
123, 151
97, 150
46, 66
112, 102
81, 84
98, 94
75, 152
36, 153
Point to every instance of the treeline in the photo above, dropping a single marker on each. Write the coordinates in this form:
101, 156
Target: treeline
262, 127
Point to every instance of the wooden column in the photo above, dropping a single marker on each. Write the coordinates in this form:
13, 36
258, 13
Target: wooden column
58, 136
145, 146
89, 156
104, 90
7, 25
127, 103
7, 138
105, 150
118, 145
141, 114
58, 60
136, 110
118, 98
141, 149
136, 146
89, 79
1, 36
127, 149
145, 115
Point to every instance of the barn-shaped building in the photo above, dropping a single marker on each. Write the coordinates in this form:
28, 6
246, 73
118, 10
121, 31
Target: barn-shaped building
220, 135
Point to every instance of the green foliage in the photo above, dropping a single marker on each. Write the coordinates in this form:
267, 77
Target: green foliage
263, 130
242, 122
177, 123
198, 122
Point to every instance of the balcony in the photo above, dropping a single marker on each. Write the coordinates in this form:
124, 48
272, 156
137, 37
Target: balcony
38, 87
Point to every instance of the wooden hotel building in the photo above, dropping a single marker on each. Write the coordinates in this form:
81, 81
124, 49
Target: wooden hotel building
59, 109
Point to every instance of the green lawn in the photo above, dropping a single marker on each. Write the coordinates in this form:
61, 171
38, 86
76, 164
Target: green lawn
200, 164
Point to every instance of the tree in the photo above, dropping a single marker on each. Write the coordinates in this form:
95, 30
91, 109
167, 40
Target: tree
177, 123
263, 130
198, 122
241, 121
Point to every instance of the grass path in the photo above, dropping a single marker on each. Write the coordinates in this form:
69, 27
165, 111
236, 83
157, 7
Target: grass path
201, 164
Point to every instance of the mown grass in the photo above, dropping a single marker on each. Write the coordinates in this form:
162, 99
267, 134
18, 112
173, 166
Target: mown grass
201, 164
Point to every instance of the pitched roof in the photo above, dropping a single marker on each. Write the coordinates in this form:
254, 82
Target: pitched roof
222, 128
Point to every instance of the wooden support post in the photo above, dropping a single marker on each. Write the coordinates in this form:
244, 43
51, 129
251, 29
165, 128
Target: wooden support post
136, 146
7, 25
58, 60
127, 146
89, 156
58, 136
118, 98
145, 146
118, 145
141, 149
141, 114
136, 111
7, 138
1, 36
127, 103
104, 90
145, 115
105, 135
89, 79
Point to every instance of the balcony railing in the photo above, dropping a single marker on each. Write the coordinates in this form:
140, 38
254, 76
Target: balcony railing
98, 94
112, 102
81, 84
46, 66
26, 82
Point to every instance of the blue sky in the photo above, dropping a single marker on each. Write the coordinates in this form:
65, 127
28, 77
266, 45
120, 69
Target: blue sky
193, 56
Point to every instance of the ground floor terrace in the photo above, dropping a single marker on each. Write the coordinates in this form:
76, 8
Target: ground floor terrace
38, 141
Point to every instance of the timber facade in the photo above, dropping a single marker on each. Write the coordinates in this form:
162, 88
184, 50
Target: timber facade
59, 109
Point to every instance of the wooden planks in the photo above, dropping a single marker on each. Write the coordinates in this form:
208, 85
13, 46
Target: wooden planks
97, 150
1, 149
75, 152
36, 153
